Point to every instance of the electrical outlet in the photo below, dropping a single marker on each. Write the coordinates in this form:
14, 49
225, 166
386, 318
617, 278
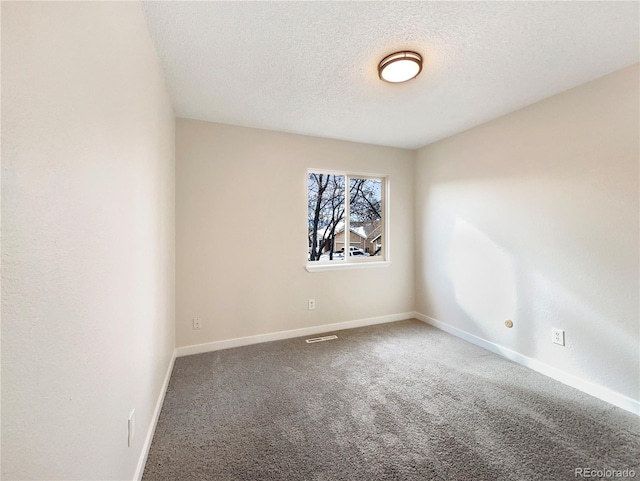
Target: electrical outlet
131, 427
197, 323
312, 304
557, 336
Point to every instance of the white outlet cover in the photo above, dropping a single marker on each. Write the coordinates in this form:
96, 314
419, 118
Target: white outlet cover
197, 323
557, 336
131, 427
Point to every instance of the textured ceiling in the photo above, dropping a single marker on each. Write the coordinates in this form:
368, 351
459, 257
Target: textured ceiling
311, 67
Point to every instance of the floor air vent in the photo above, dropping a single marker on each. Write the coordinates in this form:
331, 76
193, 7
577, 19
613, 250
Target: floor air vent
320, 339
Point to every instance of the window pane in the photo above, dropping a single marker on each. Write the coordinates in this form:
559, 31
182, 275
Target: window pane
326, 217
365, 217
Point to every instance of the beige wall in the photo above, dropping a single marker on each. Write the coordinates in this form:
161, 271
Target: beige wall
534, 217
253, 183
88, 238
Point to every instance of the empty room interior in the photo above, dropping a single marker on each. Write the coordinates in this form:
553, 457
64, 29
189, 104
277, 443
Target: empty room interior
320, 241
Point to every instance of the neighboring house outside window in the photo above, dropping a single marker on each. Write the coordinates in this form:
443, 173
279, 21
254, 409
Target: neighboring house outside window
346, 214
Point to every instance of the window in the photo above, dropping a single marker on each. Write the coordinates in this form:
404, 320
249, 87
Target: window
346, 218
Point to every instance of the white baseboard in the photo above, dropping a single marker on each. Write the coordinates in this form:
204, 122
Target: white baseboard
154, 421
595, 390
277, 336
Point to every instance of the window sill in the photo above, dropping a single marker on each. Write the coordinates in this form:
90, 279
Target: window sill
345, 266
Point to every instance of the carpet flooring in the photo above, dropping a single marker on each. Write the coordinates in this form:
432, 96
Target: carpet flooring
397, 401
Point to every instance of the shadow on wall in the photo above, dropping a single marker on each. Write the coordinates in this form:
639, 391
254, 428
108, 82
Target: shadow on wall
482, 275
589, 329
490, 285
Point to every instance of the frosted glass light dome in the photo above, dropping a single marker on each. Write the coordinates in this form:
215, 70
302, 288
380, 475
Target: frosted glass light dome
400, 67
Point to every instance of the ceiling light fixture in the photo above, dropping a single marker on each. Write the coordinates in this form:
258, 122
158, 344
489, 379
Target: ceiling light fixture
400, 67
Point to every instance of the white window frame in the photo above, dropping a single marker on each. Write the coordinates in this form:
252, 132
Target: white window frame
351, 262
